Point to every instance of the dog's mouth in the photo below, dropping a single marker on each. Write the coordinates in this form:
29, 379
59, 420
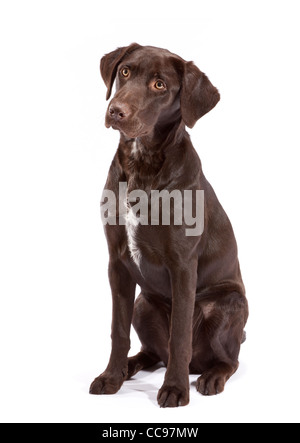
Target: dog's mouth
130, 129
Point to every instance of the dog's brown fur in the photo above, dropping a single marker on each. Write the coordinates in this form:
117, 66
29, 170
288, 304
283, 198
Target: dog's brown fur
192, 308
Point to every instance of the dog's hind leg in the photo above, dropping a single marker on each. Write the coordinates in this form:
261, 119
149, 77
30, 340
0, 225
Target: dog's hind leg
219, 338
152, 326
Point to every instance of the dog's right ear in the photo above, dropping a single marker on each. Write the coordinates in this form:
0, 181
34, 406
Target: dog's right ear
109, 64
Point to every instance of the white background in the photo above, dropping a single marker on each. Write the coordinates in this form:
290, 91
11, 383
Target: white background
55, 154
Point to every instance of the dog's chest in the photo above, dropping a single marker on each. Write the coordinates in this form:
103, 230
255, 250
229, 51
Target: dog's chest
140, 164
132, 226
131, 220
134, 229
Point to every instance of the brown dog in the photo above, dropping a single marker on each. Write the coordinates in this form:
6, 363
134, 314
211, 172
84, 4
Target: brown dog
192, 308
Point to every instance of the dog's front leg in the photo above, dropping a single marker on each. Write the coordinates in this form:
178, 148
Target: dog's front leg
123, 291
175, 390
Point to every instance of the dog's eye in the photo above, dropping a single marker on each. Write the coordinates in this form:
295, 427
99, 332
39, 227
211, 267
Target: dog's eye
125, 72
160, 85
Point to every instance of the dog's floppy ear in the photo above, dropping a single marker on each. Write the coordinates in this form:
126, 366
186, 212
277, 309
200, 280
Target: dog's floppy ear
109, 64
198, 95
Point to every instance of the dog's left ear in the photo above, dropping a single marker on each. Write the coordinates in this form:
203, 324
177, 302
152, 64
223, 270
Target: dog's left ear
109, 64
198, 95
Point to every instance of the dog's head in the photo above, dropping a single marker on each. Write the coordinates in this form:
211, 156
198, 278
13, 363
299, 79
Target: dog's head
153, 86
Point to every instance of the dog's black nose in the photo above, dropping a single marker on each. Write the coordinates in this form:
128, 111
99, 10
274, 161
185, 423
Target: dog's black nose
118, 112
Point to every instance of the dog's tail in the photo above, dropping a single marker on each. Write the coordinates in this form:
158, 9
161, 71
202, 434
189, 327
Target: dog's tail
244, 337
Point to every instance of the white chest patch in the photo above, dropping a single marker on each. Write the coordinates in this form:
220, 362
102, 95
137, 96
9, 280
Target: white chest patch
132, 223
134, 147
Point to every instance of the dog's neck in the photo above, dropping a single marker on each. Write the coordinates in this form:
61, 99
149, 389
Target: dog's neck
140, 163
166, 132
142, 158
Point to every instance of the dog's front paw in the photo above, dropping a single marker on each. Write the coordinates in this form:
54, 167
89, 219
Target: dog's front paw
172, 396
105, 384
